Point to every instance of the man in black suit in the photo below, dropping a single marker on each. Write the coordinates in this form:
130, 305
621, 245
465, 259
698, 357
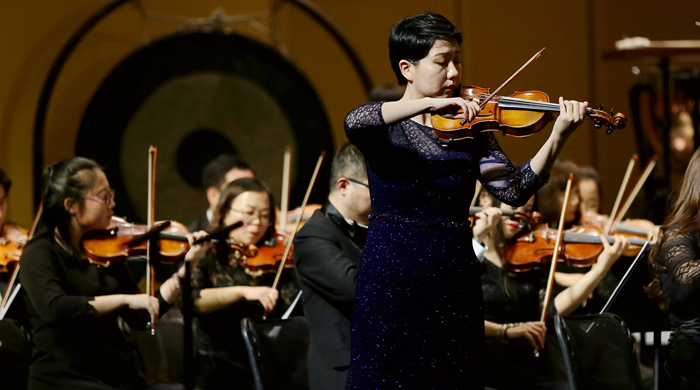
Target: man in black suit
327, 255
216, 174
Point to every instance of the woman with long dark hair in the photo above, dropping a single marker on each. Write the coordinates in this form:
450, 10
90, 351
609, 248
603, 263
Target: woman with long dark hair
74, 304
674, 264
224, 293
418, 320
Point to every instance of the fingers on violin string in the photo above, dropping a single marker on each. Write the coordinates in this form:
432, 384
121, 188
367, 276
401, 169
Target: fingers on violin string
463, 106
625, 243
577, 110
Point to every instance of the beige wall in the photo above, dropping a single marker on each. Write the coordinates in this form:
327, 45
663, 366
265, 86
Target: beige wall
499, 37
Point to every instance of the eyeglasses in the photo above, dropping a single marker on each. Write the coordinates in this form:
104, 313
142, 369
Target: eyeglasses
251, 215
105, 198
357, 182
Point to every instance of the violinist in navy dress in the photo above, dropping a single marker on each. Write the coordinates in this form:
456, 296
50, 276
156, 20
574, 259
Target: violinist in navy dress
417, 320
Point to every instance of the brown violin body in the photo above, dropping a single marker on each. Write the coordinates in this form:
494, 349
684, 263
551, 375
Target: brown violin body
264, 259
581, 246
532, 250
518, 115
12, 241
105, 247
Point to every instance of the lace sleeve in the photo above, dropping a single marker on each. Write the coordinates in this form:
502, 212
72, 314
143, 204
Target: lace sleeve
679, 264
200, 276
363, 122
500, 177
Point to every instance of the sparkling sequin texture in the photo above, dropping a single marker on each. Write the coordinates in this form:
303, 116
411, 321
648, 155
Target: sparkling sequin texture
418, 321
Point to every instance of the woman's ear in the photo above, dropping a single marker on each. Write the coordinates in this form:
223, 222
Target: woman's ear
71, 206
407, 70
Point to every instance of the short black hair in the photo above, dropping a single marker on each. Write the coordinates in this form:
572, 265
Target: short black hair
413, 36
348, 162
5, 181
214, 173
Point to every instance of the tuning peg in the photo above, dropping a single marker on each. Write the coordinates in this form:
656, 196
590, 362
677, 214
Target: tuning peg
601, 106
612, 111
597, 124
610, 130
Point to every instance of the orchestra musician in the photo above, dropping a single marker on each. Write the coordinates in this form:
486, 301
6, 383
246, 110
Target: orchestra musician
418, 317
512, 307
73, 303
674, 264
327, 253
216, 174
222, 290
15, 354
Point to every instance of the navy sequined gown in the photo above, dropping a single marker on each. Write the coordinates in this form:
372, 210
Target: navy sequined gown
418, 321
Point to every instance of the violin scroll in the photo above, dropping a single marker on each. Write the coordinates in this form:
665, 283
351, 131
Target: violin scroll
610, 119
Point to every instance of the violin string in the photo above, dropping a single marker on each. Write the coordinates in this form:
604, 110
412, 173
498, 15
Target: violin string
515, 103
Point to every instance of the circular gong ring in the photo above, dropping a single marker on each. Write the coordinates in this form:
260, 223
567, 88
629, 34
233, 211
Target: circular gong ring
108, 114
77, 36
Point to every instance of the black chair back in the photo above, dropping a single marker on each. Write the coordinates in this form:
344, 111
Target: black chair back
162, 356
15, 355
277, 350
598, 352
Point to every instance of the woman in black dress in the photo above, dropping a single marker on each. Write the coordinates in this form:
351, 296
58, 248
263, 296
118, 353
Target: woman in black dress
74, 304
674, 263
224, 293
418, 320
513, 303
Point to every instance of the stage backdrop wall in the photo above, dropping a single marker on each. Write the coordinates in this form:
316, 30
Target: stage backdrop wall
499, 37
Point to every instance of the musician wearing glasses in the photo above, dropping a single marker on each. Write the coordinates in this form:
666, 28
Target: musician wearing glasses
224, 293
328, 250
73, 304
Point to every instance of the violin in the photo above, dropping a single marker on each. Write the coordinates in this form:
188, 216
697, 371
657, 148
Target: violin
12, 241
110, 246
264, 259
580, 247
631, 228
518, 115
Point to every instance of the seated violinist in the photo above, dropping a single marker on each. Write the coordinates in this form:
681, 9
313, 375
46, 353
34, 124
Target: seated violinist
73, 303
216, 174
513, 303
222, 290
550, 200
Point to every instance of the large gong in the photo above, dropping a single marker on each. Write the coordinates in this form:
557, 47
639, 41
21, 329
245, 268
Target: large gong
196, 95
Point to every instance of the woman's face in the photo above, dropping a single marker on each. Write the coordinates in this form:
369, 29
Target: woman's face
97, 205
253, 208
574, 202
590, 198
439, 73
511, 227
